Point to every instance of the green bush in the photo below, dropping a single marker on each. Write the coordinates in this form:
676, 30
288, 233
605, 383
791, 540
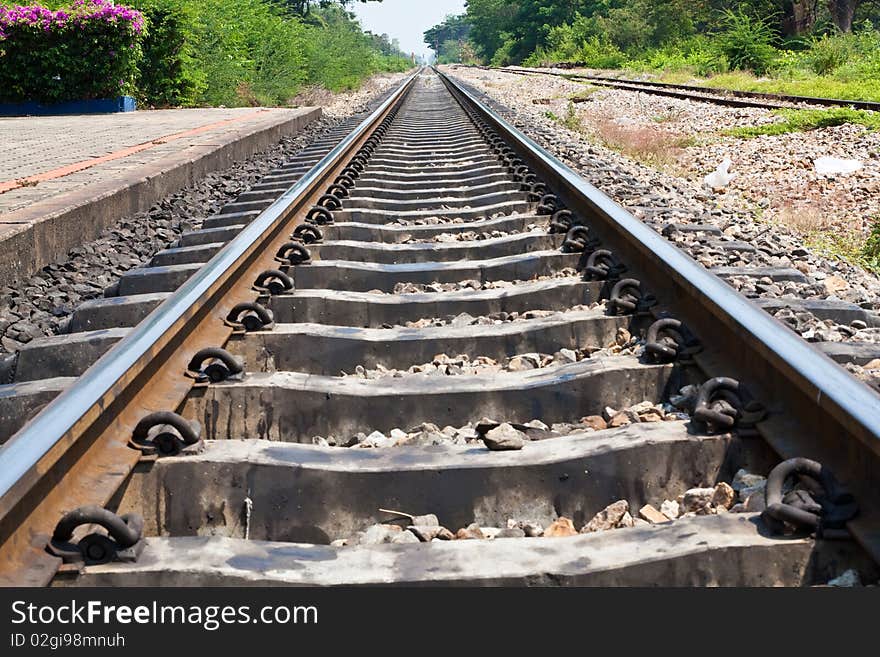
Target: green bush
709, 62
563, 43
504, 55
746, 42
338, 55
541, 57
248, 52
863, 59
195, 52
828, 54
169, 73
251, 52
85, 51
572, 43
697, 54
704, 56
600, 53
627, 27
668, 58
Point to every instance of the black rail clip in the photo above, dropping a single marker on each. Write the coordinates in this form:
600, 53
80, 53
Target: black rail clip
165, 433
123, 540
723, 404
669, 340
214, 365
250, 316
818, 504
627, 298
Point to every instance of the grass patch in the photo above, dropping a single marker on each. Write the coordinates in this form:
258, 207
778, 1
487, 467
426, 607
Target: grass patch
837, 245
584, 94
855, 88
869, 255
668, 117
825, 238
570, 120
851, 247
804, 120
643, 143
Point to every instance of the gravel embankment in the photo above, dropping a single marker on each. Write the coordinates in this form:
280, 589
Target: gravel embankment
775, 175
37, 306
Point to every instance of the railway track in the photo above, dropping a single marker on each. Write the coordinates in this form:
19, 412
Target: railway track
715, 96
426, 329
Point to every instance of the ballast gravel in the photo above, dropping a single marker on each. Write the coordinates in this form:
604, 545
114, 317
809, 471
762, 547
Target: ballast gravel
428, 434
775, 174
475, 236
472, 284
700, 500
451, 220
625, 344
464, 319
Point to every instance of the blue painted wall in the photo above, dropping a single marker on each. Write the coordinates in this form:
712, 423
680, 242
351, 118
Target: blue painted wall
101, 106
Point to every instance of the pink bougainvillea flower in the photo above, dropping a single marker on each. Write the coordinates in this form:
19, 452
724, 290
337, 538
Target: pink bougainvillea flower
83, 12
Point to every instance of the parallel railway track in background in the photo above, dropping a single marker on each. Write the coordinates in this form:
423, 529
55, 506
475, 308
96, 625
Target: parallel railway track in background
714, 95
199, 413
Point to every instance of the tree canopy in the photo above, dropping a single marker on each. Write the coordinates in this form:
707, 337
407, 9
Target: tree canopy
303, 7
510, 31
450, 39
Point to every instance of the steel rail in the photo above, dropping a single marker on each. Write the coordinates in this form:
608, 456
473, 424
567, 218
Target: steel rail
93, 418
829, 414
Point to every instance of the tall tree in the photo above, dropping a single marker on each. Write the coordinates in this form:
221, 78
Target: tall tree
799, 16
490, 20
449, 37
535, 19
842, 12
453, 28
789, 17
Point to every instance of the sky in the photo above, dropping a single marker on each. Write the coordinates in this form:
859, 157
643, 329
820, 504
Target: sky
406, 20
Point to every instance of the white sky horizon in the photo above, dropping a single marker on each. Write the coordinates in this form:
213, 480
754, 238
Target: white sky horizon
406, 20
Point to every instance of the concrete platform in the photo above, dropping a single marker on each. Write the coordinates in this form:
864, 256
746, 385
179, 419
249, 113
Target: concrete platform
64, 179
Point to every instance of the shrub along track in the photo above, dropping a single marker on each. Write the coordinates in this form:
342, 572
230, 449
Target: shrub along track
716, 96
433, 228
